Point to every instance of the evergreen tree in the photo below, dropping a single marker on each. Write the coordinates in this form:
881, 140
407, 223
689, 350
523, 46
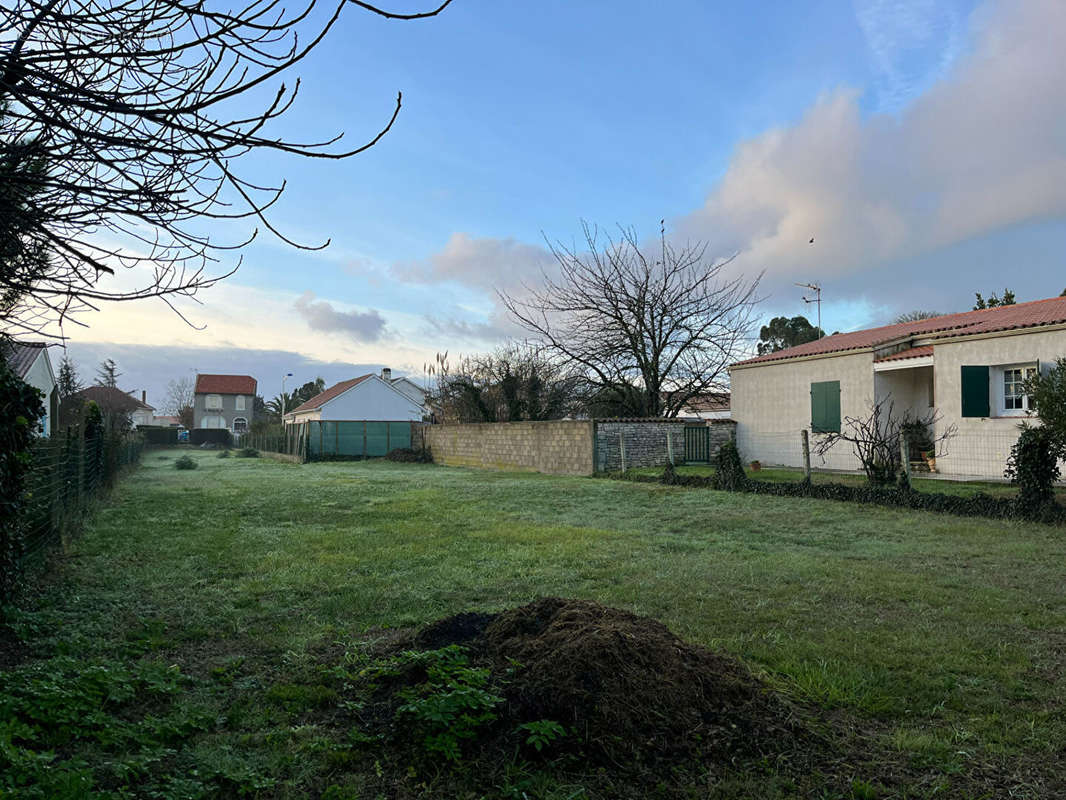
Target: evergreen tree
993, 301
108, 374
68, 381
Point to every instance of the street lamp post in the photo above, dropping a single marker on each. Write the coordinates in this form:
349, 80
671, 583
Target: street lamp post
283, 377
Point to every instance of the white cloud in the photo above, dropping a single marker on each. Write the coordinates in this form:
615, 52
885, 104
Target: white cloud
983, 149
362, 326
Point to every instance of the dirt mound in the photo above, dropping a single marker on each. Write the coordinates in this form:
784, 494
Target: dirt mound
628, 691
635, 689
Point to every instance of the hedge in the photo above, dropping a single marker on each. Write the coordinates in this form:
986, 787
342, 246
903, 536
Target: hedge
198, 436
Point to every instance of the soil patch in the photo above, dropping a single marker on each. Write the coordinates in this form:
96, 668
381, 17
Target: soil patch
629, 693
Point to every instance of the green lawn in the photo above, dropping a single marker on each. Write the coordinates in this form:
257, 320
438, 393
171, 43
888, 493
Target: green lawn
187, 644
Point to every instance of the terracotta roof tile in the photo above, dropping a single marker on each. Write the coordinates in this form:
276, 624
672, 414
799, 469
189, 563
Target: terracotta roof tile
111, 399
985, 320
322, 398
225, 384
913, 352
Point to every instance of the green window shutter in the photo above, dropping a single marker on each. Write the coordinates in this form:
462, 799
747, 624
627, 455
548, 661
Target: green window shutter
825, 407
975, 392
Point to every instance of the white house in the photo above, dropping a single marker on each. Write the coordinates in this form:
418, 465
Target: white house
368, 397
30, 362
967, 368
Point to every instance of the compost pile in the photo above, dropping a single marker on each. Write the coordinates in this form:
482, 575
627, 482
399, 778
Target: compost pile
629, 690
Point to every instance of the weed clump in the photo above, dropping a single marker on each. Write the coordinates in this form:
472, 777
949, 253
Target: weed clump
223, 454
247, 452
185, 462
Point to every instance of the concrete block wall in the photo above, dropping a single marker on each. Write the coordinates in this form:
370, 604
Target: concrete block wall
645, 443
562, 447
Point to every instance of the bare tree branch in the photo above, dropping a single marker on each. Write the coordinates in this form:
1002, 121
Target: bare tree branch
648, 333
122, 123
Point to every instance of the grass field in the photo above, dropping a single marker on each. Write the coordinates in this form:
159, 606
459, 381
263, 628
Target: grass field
188, 644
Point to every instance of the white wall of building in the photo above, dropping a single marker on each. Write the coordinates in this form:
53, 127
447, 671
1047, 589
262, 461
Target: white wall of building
771, 403
982, 444
40, 376
372, 399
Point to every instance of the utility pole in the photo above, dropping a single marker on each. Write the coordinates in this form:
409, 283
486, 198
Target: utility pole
283, 379
814, 287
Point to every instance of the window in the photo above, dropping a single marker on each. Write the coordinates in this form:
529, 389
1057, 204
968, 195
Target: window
240, 425
1015, 400
240, 402
825, 407
213, 401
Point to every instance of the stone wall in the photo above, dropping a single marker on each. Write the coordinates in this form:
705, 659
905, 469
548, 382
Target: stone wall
562, 447
722, 431
645, 443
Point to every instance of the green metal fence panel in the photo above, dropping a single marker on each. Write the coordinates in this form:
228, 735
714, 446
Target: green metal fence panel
350, 439
399, 435
377, 438
697, 444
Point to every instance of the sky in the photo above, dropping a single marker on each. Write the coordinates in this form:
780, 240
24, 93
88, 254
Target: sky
921, 143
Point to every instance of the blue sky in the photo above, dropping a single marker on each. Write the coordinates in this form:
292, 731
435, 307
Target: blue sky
922, 142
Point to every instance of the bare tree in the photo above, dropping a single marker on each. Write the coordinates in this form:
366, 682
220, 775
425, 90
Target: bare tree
121, 125
916, 316
179, 400
875, 439
648, 332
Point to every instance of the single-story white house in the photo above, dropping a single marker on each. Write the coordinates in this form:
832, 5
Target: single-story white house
379, 398
30, 362
969, 368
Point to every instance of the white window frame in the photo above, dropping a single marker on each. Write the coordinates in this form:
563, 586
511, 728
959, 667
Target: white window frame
242, 420
239, 402
1000, 386
213, 402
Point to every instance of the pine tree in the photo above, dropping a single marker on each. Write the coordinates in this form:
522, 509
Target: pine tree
108, 374
68, 381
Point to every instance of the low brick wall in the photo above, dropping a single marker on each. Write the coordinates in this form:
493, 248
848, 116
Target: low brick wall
562, 447
645, 443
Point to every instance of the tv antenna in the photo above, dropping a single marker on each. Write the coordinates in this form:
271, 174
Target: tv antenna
814, 287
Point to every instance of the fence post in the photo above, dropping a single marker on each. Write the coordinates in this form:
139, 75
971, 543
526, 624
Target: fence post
806, 455
670, 447
622, 448
905, 456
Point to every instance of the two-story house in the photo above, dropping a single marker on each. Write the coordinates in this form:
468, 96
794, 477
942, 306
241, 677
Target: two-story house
224, 401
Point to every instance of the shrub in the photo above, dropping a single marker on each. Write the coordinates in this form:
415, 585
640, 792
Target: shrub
728, 470
247, 452
1033, 466
223, 454
185, 462
20, 409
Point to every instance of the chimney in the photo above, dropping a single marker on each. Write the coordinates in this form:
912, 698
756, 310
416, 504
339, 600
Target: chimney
144, 397
386, 374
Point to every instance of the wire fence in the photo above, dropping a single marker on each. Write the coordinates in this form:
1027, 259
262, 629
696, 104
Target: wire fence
67, 474
964, 456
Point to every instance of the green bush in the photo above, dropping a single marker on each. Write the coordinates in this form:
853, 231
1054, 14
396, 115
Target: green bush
185, 462
223, 454
729, 472
20, 409
1033, 466
247, 452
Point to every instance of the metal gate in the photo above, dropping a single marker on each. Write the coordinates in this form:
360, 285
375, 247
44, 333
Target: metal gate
697, 444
